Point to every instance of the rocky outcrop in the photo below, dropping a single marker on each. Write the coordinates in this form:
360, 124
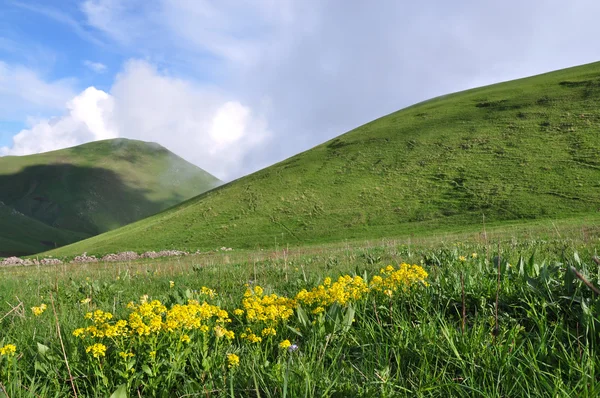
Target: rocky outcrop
113, 257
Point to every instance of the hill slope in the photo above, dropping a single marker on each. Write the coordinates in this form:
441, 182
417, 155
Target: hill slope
55, 198
518, 150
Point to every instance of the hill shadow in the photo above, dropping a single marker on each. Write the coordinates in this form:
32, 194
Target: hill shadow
89, 200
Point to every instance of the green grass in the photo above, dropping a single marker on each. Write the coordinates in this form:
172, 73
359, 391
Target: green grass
545, 343
60, 197
516, 151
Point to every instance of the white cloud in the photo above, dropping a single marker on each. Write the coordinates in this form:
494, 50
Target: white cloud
23, 91
200, 124
95, 66
203, 125
87, 119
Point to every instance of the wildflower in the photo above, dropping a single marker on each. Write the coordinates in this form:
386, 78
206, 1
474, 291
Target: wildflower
37, 311
285, 344
219, 331
462, 259
85, 300
269, 332
98, 350
171, 284
126, 355
207, 292
185, 338
473, 255
292, 348
79, 332
8, 350
152, 354
233, 360
238, 312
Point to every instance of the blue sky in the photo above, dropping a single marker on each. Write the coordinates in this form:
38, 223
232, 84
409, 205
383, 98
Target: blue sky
236, 85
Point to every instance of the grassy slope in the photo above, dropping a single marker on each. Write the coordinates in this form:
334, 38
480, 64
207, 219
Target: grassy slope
525, 149
67, 195
27, 234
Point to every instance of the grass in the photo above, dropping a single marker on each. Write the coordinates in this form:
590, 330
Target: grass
516, 151
55, 198
540, 340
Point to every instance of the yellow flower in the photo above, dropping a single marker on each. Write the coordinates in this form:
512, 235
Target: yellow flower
284, 344
98, 350
171, 284
79, 332
462, 258
37, 311
473, 255
8, 350
208, 292
238, 312
233, 360
85, 300
185, 338
269, 332
126, 355
152, 354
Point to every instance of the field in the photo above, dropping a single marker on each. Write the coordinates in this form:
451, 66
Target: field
482, 313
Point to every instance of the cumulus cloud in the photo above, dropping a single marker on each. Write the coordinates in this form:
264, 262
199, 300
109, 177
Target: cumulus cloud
200, 124
88, 119
95, 66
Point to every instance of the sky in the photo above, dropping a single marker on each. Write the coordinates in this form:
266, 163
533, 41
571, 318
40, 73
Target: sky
237, 85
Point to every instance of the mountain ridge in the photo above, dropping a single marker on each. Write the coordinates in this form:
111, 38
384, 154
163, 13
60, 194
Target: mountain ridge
89, 189
519, 150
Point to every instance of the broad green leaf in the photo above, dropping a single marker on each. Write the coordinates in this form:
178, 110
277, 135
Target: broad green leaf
147, 370
120, 392
42, 349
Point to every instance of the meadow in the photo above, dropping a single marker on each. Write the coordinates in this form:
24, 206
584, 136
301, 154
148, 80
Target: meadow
497, 313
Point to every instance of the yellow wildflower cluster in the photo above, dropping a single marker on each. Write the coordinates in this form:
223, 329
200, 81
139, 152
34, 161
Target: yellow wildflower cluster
271, 308
101, 328
208, 292
8, 350
150, 325
347, 288
233, 360
126, 355
285, 344
151, 318
391, 279
97, 350
249, 335
37, 311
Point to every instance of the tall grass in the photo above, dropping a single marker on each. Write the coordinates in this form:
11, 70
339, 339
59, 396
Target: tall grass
410, 344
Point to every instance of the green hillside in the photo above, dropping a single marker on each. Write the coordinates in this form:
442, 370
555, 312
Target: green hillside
521, 150
55, 198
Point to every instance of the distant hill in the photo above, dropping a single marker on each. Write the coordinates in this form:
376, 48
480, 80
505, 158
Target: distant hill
520, 150
55, 198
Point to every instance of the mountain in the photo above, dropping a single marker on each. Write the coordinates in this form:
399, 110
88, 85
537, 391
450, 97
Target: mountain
55, 198
520, 150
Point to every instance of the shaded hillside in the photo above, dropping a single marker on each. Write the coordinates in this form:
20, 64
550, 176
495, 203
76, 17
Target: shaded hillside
520, 150
59, 197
